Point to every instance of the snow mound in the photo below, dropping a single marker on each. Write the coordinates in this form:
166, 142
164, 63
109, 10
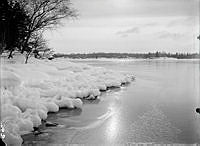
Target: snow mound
30, 91
9, 79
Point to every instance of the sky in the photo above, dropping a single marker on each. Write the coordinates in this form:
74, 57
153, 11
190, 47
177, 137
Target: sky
131, 26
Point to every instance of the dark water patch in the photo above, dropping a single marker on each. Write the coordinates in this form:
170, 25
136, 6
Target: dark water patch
65, 113
96, 101
50, 124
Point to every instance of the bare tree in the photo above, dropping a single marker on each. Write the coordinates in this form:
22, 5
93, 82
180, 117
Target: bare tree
45, 14
36, 42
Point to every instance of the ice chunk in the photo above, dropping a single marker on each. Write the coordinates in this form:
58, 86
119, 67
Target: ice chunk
42, 114
77, 103
51, 106
25, 125
64, 103
33, 115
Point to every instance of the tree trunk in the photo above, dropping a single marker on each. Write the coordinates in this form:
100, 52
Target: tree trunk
10, 55
3, 41
25, 43
1, 49
27, 56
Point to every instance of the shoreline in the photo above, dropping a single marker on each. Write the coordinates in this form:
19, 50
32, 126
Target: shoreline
41, 130
35, 84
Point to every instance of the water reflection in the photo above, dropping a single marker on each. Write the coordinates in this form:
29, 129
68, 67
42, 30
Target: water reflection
112, 128
113, 125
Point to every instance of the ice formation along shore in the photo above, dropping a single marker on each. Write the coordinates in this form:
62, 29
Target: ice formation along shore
30, 91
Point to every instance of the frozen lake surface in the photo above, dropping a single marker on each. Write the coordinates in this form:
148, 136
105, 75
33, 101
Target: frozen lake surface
159, 106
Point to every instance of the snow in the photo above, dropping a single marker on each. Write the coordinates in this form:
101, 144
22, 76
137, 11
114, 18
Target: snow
30, 91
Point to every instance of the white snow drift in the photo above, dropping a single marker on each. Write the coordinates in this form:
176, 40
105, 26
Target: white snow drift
30, 91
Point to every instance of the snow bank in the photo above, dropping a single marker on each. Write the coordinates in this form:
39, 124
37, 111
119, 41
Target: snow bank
30, 91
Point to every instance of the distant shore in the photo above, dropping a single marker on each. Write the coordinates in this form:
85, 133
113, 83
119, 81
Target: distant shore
149, 55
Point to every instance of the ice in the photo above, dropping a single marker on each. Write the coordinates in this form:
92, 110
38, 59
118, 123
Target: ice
30, 91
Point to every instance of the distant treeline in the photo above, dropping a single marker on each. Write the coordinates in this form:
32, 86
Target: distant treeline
130, 55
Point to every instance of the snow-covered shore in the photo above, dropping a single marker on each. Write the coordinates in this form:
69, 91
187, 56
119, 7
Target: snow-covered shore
30, 91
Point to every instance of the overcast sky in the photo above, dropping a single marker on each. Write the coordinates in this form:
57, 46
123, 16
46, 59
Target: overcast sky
129, 26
